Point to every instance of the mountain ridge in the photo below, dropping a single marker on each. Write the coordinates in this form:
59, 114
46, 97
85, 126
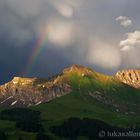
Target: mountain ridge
20, 92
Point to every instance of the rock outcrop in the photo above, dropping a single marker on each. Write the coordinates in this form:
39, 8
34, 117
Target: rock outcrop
129, 77
22, 92
84, 71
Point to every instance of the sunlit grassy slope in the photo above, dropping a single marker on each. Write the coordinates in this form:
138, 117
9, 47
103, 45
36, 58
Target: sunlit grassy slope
80, 104
119, 105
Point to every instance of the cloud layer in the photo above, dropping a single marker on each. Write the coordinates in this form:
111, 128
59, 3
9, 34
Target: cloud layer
131, 42
124, 21
130, 49
76, 31
104, 55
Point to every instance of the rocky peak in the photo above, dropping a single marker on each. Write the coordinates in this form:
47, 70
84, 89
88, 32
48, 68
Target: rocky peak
130, 77
78, 69
22, 81
21, 92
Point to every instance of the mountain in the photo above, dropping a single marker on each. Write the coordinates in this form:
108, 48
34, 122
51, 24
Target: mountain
130, 77
70, 105
31, 91
21, 92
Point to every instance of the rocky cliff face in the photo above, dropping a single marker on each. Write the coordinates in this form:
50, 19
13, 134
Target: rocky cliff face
78, 69
31, 91
130, 77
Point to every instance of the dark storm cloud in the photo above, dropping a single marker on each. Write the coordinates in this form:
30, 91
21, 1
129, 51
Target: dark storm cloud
81, 31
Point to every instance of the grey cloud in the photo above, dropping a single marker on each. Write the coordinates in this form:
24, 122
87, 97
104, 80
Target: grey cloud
124, 21
69, 26
130, 49
132, 41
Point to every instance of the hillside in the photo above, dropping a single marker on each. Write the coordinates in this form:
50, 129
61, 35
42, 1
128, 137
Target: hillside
105, 101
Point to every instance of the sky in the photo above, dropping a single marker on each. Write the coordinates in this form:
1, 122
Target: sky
39, 38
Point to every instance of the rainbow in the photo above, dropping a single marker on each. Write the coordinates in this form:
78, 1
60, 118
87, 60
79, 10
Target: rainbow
39, 45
